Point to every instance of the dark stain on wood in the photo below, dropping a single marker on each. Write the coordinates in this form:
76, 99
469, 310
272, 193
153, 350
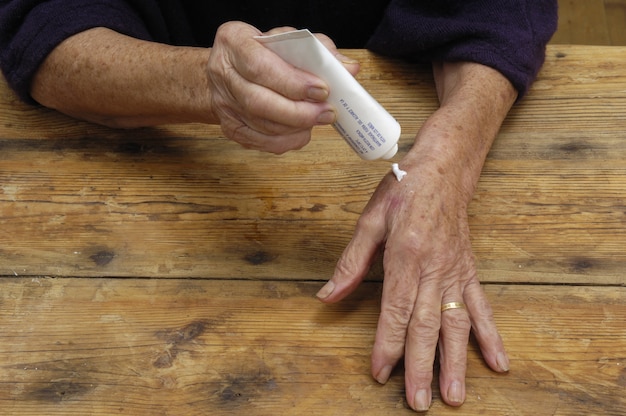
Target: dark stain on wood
239, 390
130, 148
102, 257
575, 147
60, 391
185, 334
621, 380
560, 55
148, 143
581, 265
178, 338
575, 396
314, 208
165, 359
317, 208
259, 257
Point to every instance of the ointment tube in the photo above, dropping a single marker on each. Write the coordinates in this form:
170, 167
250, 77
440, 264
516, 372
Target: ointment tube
365, 125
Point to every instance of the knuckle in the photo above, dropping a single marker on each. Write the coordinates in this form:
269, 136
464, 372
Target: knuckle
227, 30
387, 352
457, 322
424, 322
369, 222
346, 266
390, 345
420, 378
271, 128
300, 140
281, 144
232, 127
280, 29
253, 102
413, 243
398, 313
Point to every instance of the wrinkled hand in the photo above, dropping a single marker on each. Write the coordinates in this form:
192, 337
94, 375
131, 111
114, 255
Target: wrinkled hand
261, 101
421, 223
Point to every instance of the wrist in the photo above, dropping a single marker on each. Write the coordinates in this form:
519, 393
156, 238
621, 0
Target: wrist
454, 142
445, 161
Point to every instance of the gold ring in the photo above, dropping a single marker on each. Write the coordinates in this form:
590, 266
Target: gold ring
452, 305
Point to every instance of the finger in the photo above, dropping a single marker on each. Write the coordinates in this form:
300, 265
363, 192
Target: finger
255, 132
356, 259
265, 109
249, 112
259, 65
266, 68
352, 65
397, 306
421, 345
484, 328
400, 292
271, 113
253, 139
453, 340
278, 30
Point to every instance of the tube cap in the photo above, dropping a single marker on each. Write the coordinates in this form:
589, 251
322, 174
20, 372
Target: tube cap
391, 153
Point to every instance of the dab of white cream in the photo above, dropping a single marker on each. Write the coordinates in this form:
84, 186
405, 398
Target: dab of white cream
397, 171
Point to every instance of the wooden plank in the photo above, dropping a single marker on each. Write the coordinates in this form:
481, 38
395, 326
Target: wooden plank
616, 21
181, 201
177, 200
582, 22
565, 204
562, 34
198, 347
591, 22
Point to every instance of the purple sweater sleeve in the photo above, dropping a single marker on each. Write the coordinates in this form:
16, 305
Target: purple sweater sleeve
507, 35
32, 28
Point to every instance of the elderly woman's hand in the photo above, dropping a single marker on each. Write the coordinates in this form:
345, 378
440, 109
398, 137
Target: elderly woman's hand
258, 99
421, 223
261, 101
428, 262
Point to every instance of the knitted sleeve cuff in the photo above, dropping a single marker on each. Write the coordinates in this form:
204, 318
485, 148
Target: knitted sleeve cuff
507, 35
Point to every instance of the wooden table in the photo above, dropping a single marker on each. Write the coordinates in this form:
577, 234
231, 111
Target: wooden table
167, 271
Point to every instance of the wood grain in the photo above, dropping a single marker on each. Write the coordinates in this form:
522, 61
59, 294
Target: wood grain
198, 347
591, 22
582, 22
181, 201
167, 271
616, 20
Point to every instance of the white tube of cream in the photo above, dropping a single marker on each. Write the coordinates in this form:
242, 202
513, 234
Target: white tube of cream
367, 127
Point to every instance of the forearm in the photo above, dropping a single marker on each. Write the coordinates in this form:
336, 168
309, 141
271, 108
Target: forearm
474, 101
108, 78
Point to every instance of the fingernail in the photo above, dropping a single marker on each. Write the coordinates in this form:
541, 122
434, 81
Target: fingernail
422, 401
383, 375
326, 290
345, 60
455, 393
317, 94
327, 117
503, 362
